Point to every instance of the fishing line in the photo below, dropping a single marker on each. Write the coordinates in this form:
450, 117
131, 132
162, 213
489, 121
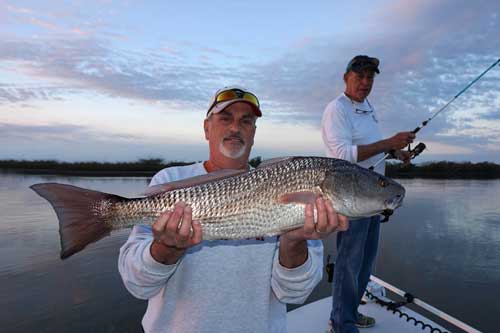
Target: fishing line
421, 146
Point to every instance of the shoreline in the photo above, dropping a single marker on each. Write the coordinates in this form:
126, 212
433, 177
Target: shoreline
147, 168
151, 173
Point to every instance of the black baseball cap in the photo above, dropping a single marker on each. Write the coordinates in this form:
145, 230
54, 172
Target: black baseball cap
363, 62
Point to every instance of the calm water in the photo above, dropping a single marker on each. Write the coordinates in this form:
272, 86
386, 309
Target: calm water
443, 246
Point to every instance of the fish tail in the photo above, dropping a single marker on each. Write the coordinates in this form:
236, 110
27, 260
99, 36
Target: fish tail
80, 224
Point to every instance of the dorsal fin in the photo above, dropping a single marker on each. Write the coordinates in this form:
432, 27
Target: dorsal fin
276, 160
193, 181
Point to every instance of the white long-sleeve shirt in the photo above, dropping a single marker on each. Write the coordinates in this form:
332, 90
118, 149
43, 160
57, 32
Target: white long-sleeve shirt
344, 127
217, 286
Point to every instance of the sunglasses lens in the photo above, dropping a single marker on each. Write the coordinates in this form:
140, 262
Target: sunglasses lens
232, 94
226, 96
251, 98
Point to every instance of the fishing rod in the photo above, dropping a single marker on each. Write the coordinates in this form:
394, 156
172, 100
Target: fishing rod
421, 146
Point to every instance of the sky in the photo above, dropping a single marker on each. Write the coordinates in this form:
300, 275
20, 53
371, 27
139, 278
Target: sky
126, 80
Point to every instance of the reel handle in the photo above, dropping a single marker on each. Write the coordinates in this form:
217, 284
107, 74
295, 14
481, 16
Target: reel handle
417, 150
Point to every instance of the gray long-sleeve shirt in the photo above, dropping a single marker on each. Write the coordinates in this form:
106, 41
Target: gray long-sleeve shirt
217, 286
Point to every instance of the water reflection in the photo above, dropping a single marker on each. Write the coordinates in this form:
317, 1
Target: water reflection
442, 245
83, 293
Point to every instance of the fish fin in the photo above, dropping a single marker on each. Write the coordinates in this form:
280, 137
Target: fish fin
192, 181
304, 197
276, 160
74, 206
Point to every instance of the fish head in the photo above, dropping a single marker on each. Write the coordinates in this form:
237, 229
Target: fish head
359, 192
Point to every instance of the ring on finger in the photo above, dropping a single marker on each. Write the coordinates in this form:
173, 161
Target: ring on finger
319, 231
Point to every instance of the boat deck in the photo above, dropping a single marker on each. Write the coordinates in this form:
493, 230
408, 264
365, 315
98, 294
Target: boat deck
313, 318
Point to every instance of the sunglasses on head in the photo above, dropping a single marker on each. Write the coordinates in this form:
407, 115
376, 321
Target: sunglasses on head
228, 95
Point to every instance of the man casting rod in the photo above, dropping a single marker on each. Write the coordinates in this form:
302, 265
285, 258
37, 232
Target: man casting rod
421, 146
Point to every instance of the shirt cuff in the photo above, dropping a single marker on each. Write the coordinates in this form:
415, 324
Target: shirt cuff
296, 271
153, 266
354, 152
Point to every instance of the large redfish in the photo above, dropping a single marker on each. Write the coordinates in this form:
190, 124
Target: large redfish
229, 204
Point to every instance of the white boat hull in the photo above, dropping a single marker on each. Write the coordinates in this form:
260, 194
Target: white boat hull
313, 318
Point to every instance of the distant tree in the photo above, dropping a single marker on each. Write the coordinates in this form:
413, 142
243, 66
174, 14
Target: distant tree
153, 161
445, 170
437, 170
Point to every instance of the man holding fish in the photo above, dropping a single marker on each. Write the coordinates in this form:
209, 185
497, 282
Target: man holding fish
218, 246
195, 285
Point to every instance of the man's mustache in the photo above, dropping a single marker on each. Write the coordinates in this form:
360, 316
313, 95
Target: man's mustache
233, 137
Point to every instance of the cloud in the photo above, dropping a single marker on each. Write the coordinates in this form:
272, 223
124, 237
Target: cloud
19, 10
211, 50
43, 24
495, 115
58, 141
16, 95
59, 132
169, 50
89, 65
80, 32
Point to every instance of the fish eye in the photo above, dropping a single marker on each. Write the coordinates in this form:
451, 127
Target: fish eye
382, 182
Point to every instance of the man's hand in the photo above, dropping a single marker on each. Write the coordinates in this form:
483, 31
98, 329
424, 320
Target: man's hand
403, 155
173, 233
293, 244
399, 141
394, 143
328, 221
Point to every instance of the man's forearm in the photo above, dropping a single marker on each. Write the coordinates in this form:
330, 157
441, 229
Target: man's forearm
372, 149
292, 253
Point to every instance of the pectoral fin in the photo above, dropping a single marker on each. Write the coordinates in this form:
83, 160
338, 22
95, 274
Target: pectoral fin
304, 197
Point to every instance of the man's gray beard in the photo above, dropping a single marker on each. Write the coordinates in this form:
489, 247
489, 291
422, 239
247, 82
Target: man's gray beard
232, 153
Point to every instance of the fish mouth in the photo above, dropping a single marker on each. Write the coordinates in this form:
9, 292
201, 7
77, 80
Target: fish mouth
386, 214
394, 202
